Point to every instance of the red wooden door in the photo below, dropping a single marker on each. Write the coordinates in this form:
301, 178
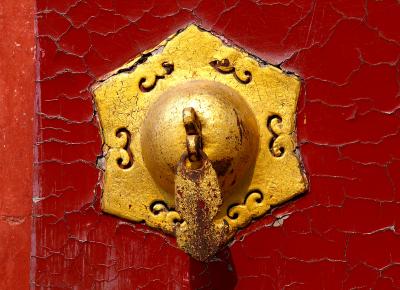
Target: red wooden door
342, 234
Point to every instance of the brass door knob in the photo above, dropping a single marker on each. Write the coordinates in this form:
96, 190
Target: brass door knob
229, 133
199, 141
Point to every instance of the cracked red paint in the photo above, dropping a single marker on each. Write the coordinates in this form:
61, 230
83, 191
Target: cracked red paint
342, 234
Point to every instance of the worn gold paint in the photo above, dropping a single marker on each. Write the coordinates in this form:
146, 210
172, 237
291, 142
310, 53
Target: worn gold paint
140, 111
198, 198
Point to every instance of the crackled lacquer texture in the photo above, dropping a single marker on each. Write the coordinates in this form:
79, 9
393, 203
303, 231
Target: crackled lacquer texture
342, 234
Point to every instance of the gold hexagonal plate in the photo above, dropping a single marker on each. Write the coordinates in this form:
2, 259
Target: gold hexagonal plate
124, 96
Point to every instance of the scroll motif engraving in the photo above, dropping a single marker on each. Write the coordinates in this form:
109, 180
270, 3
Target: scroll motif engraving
126, 160
223, 66
146, 84
274, 124
254, 205
163, 214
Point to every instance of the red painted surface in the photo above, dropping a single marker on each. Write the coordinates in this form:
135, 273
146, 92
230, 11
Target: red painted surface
344, 233
16, 141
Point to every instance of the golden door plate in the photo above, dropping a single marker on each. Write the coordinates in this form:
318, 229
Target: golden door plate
124, 97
